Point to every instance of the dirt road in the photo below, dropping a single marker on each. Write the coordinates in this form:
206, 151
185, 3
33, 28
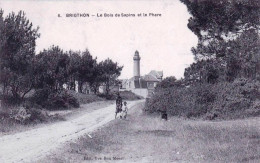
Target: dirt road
29, 146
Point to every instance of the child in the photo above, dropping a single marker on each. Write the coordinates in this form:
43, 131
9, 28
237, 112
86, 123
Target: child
124, 111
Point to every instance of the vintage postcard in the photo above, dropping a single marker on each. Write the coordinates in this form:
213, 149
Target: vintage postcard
129, 81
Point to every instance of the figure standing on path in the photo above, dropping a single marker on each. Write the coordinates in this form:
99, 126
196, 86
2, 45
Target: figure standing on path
118, 104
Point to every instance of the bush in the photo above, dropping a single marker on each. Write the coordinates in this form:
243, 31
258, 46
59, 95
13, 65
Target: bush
25, 115
54, 100
173, 100
40, 96
181, 101
210, 101
237, 99
61, 100
9, 100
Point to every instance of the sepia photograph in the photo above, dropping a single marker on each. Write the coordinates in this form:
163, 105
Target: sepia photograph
124, 81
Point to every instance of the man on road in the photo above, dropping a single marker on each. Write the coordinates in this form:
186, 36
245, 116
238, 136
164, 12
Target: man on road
119, 103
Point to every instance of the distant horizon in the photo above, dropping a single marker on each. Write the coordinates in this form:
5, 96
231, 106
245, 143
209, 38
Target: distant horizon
164, 42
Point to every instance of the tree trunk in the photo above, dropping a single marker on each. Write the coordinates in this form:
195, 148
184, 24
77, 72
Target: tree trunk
107, 88
80, 84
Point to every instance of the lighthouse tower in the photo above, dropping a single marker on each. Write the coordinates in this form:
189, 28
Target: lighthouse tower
137, 59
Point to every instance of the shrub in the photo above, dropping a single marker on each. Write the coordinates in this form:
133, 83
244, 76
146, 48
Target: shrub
9, 100
176, 101
210, 101
25, 115
40, 96
61, 100
237, 99
54, 100
20, 115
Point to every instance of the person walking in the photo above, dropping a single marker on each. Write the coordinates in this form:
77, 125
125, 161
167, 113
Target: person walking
118, 104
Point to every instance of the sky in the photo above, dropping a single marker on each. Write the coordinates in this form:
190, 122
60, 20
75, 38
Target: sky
164, 42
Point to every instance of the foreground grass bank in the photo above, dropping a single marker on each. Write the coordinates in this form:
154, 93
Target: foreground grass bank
143, 138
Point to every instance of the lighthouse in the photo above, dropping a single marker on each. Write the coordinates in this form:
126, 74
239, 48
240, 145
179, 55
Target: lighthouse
142, 85
137, 59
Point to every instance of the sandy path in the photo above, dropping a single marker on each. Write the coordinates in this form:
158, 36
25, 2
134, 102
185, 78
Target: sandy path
29, 146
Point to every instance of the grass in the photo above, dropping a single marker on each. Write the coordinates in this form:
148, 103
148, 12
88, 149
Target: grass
128, 95
143, 138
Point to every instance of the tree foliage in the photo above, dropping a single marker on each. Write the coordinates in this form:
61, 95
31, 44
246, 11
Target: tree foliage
110, 71
223, 82
218, 19
49, 71
167, 82
17, 49
228, 33
72, 69
86, 69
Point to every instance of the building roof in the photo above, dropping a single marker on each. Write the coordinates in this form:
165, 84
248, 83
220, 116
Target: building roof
149, 78
156, 74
